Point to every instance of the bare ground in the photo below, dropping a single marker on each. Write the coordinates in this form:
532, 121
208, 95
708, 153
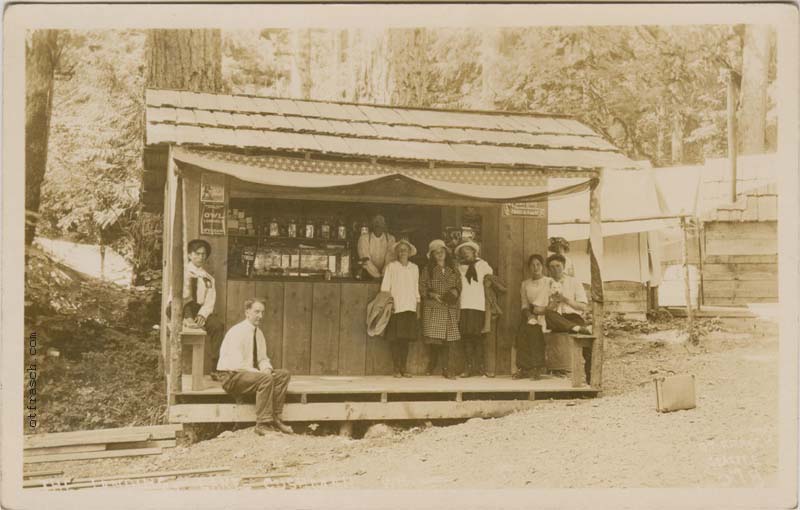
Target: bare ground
618, 440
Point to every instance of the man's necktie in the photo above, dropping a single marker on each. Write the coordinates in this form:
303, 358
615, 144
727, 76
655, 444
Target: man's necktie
255, 348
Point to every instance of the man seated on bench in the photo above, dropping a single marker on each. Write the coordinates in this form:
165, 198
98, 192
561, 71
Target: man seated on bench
567, 301
245, 370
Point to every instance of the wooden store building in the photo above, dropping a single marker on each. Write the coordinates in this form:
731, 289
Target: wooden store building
282, 188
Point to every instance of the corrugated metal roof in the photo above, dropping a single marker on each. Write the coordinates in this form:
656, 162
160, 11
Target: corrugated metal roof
447, 136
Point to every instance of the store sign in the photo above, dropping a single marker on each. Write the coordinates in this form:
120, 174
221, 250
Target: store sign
212, 219
212, 188
527, 209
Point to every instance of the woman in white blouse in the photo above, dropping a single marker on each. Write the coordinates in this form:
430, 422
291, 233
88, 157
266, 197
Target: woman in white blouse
535, 295
401, 280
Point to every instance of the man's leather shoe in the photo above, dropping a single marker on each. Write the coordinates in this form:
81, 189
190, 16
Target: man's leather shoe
286, 429
263, 429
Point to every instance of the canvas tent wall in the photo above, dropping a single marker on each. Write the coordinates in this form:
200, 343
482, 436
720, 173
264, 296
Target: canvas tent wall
635, 211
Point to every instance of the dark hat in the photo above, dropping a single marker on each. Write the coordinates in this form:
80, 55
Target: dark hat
555, 242
194, 244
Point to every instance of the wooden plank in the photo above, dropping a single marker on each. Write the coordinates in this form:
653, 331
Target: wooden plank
740, 271
720, 230
167, 431
353, 329
738, 301
78, 448
272, 325
379, 357
91, 455
85, 440
742, 246
159, 443
624, 295
297, 320
238, 292
625, 306
130, 476
511, 271
490, 218
47, 472
742, 259
737, 289
206, 413
325, 328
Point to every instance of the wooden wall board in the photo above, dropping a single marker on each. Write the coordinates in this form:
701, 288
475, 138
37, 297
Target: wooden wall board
325, 329
353, 329
272, 325
297, 327
511, 271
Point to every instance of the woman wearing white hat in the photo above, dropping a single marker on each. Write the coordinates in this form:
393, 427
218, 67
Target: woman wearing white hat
473, 305
440, 287
401, 280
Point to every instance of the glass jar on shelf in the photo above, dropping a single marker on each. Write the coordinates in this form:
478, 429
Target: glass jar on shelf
341, 231
309, 229
291, 228
325, 230
273, 229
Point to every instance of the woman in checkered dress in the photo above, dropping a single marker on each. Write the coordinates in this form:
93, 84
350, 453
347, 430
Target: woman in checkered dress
440, 288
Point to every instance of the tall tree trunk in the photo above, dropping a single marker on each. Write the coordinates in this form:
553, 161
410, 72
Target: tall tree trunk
677, 139
41, 59
490, 56
185, 60
661, 119
300, 74
755, 74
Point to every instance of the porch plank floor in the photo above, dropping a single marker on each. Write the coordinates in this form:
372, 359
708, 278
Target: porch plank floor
331, 385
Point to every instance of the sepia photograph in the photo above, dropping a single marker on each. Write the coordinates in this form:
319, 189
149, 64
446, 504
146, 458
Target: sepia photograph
400, 256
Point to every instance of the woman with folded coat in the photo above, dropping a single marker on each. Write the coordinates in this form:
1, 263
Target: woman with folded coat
440, 287
401, 280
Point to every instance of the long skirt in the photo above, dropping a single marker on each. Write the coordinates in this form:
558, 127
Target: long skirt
530, 347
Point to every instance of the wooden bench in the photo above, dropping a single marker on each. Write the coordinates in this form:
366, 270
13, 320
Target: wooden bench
564, 351
196, 339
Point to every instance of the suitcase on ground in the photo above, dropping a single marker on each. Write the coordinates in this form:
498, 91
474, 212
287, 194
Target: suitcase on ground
675, 393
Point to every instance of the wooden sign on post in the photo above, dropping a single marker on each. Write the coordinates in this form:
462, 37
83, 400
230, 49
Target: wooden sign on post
526, 209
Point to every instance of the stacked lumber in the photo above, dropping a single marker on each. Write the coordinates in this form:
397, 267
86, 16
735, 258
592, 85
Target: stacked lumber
99, 444
70, 483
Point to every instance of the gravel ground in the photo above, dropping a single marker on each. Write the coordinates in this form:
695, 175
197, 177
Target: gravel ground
617, 441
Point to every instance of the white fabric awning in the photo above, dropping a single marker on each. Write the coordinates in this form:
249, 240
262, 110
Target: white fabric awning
260, 171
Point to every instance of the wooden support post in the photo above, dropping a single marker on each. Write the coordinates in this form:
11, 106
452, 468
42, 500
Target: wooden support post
687, 292
346, 429
596, 263
176, 290
732, 142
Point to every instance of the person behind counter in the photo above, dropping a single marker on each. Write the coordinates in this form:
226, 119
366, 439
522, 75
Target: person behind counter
473, 306
440, 287
375, 247
401, 280
535, 295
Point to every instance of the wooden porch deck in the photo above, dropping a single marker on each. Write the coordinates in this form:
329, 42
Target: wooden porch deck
352, 398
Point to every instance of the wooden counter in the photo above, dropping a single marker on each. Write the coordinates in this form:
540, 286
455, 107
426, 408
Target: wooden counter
314, 327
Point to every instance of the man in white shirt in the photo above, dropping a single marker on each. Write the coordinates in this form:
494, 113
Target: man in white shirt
246, 370
563, 314
375, 248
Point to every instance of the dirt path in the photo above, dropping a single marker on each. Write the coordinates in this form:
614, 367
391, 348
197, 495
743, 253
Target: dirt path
615, 441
